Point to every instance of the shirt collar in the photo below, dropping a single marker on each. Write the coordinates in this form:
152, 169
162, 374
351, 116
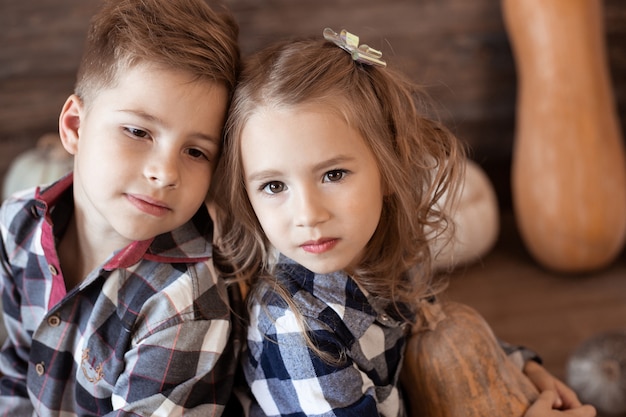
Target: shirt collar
50, 195
327, 286
189, 243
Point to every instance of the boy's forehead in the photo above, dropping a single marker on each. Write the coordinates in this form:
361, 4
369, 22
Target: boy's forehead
144, 72
167, 97
129, 66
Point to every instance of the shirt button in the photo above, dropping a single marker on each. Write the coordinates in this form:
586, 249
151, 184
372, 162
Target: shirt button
54, 321
40, 369
52, 269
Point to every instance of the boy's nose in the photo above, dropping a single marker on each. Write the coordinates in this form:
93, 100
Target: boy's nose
163, 171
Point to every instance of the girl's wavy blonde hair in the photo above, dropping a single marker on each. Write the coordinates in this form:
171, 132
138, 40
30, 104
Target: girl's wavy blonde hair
418, 158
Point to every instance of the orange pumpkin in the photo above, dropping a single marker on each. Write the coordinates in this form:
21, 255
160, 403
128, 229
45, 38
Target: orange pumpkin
568, 171
454, 367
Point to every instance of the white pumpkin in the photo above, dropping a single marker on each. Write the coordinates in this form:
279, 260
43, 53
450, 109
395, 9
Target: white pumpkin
476, 219
45, 163
596, 370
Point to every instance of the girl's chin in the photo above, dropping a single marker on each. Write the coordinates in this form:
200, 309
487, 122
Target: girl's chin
324, 267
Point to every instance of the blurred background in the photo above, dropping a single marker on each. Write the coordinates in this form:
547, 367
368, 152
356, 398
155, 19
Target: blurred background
457, 49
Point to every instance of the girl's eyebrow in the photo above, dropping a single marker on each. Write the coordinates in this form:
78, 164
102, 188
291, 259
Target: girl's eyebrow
273, 173
337, 160
262, 175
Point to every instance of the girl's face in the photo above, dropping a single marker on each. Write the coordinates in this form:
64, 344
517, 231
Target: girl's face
314, 185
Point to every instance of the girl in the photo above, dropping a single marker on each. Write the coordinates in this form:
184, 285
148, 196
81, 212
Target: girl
328, 200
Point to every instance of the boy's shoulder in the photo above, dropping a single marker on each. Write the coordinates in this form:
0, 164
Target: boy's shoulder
20, 198
192, 240
18, 207
28, 205
22, 222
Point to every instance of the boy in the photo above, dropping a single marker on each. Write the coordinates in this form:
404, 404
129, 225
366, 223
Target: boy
109, 297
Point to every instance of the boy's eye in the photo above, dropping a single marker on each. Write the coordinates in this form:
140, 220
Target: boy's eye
273, 187
137, 132
335, 175
197, 153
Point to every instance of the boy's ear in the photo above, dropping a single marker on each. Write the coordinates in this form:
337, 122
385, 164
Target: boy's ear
69, 123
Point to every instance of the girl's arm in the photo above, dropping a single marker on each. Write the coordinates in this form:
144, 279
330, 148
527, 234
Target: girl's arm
544, 381
548, 401
530, 364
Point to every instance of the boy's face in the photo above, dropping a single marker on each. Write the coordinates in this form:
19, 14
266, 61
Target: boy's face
145, 150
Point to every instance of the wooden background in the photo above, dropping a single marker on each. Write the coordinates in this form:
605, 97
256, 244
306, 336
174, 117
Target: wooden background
457, 48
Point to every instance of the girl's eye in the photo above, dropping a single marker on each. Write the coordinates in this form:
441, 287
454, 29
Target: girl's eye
197, 153
335, 175
273, 187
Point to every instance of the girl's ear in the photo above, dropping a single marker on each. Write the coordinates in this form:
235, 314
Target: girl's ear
387, 191
69, 123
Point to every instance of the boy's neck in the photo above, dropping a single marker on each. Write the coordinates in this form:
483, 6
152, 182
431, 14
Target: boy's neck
73, 261
80, 252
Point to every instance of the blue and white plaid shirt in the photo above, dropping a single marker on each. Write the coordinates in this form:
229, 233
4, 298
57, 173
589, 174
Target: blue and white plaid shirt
146, 334
286, 378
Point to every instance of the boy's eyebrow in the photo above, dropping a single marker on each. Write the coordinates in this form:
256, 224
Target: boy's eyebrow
149, 117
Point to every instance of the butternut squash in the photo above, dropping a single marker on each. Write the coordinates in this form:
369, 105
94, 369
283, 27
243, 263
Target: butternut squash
454, 367
568, 169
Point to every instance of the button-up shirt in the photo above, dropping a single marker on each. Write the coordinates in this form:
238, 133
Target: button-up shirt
286, 378
146, 333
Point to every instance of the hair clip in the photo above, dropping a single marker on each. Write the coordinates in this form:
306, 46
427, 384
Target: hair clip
350, 43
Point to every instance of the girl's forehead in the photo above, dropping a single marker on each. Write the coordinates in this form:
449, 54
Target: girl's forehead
314, 128
298, 134
332, 107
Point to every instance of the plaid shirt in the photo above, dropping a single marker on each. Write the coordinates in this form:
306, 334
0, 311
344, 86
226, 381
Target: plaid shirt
147, 333
285, 378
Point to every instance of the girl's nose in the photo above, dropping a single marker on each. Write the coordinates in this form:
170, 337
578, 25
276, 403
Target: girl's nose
310, 209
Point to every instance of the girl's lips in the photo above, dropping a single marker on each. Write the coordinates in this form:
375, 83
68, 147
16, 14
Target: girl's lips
148, 205
319, 246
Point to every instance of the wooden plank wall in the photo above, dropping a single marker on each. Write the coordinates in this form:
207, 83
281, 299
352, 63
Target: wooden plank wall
458, 49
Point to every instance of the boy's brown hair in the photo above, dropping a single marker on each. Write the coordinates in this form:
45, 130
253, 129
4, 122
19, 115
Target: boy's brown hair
185, 35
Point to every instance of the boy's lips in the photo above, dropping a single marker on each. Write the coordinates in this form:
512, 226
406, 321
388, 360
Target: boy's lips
148, 205
320, 245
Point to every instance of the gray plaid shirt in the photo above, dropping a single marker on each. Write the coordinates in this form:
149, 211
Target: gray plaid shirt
145, 334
